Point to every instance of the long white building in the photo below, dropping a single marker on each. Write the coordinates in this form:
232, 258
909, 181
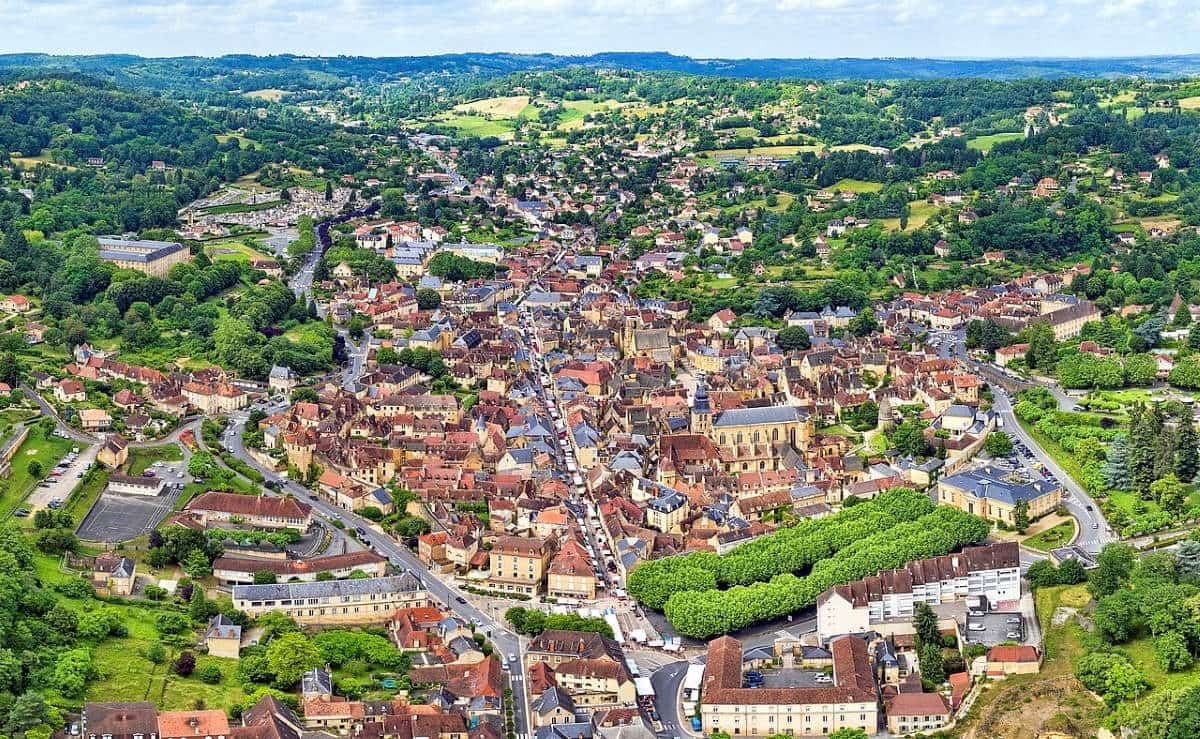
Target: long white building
992, 571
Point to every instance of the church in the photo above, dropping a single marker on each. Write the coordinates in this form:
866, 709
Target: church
752, 439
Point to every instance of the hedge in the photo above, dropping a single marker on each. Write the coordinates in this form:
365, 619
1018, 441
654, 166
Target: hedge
707, 613
789, 550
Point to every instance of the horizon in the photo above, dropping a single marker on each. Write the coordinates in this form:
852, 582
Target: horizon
700, 29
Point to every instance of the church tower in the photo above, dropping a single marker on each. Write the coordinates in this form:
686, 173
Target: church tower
701, 413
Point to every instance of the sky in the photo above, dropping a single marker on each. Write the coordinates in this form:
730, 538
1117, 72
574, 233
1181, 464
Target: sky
698, 28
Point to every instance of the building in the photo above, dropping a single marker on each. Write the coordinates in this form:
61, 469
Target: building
243, 569
260, 511
206, 724
1012, 659
118, 721
215, 397
570, 575
113, 574
751, 439
596, 682
154, 258
135, 484
554, 706
282, 380
848, 703
992, 571
94, 419
987, 492
555, 646
366, 601
1068, 322
518, 564
114, 452
909, 713
223, 637
667, 511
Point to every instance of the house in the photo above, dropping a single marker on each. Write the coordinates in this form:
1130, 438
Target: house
518, 564
727, 706
114, 452
118, 721
282, 380
153, 258
1012, 659
554, 706
197, 724
890, 596
16, 304
223, 637
70, 391
114, 574
94, 419
135, 484
908, 713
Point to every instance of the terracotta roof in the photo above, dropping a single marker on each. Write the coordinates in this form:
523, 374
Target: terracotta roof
210, 723
918, 704
1012, 653
250, 505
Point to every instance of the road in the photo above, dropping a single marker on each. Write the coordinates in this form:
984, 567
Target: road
1094, 531
505, 641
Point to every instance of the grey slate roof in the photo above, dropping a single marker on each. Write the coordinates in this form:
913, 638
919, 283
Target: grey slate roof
755, 416
328, 589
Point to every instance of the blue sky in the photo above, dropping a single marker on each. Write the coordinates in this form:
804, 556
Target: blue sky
701, 28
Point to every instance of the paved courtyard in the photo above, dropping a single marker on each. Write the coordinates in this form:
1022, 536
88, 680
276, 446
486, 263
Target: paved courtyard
117, 517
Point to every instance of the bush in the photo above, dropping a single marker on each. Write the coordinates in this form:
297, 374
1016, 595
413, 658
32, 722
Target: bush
210, 674
185, 665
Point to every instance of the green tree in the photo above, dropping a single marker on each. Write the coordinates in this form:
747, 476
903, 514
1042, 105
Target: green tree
1113, 566
1171, 494
1021, 516
290, 656
34, 468
925, 622
998, 444
428, 299
1187, 455
1171, 652
864, 323
265, 577
197, 564
793, 338
1042, 573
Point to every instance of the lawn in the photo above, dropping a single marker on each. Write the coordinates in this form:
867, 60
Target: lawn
985, 143
235, 248
142, 457
849, 185
270, 94
46, 451
474, 125
1190, 103
919, 213
574, 112
1053, 537
860, 147
84, 496
498, 107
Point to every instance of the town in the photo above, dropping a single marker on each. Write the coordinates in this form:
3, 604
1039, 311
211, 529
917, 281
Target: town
551, 409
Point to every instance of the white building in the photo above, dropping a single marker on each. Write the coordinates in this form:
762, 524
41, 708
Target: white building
992, 571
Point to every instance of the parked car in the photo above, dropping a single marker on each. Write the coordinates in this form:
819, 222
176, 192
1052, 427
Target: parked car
976, 627
1013, 620
1013, 635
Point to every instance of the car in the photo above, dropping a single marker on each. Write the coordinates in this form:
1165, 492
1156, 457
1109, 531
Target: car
753, 675
512, 658
976, 627
148, 473
1013, 635
1013, 620
974, 614
21, 512
823, 678
1095, 524
460, 599
1088, 506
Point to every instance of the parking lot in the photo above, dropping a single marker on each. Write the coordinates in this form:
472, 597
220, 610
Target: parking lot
119, 517
55, 489
995, 627
792, 677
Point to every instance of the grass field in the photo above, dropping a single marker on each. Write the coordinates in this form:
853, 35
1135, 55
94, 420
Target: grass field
766, 151
1055, 536
243, 142
985, 143
42, 158
45, 451
234, 248
1190, 103
574, 112
474, 125
919, 213
499, 107
860, 147
270, 94
848, 185
81, 499
142, 457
